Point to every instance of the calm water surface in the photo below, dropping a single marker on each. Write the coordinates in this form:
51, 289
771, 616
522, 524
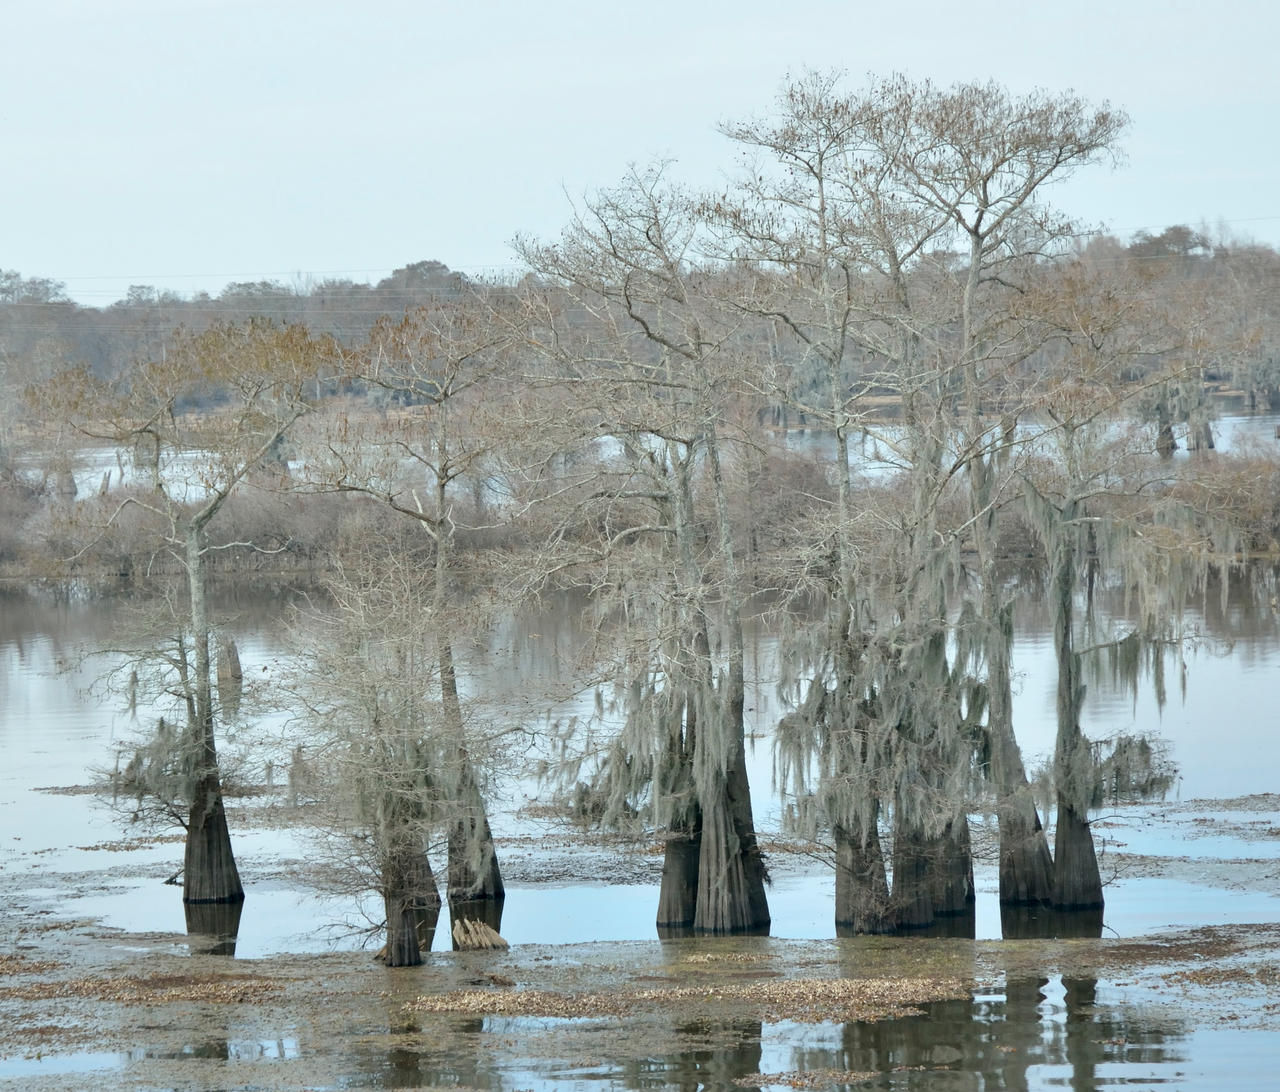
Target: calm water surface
1044, 1033
53, 728
1039, 1033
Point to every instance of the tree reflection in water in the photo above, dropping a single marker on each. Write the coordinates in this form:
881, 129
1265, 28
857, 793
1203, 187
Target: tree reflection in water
469, 1064
1035, 1031
962, 924
995, 1041
1045, 923
212, 927
726, 1052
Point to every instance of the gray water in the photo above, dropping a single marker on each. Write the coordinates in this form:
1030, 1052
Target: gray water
1032, 1034
54, 728
1077, 1034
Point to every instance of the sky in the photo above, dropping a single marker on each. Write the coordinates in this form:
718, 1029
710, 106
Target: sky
186, 144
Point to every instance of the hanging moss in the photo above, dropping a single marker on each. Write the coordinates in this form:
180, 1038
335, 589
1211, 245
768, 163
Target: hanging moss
1131, 768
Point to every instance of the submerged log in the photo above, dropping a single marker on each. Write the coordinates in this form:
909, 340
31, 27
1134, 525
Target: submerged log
470, 935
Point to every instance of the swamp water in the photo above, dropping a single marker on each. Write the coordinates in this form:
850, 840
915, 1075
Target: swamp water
65, 859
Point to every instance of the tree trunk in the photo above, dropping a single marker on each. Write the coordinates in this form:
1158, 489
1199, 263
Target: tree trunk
862, 890
209, 865
402, 928
731, 872
1026, 868
728, 874
730, 896
954, 893
1076, 882
421, 883
914, 879
932, 875
755, 871
473, 863
230, 677
678, 896
425, 900
862, 885
737, 788
412, 904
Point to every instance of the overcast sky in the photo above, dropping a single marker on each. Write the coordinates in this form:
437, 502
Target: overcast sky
189, 143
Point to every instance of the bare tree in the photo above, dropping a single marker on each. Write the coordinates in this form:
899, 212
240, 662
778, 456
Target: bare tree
650, 363
901, 221
259, 374
981, 160
838, 258
429, 455
394, 752
1103, 509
